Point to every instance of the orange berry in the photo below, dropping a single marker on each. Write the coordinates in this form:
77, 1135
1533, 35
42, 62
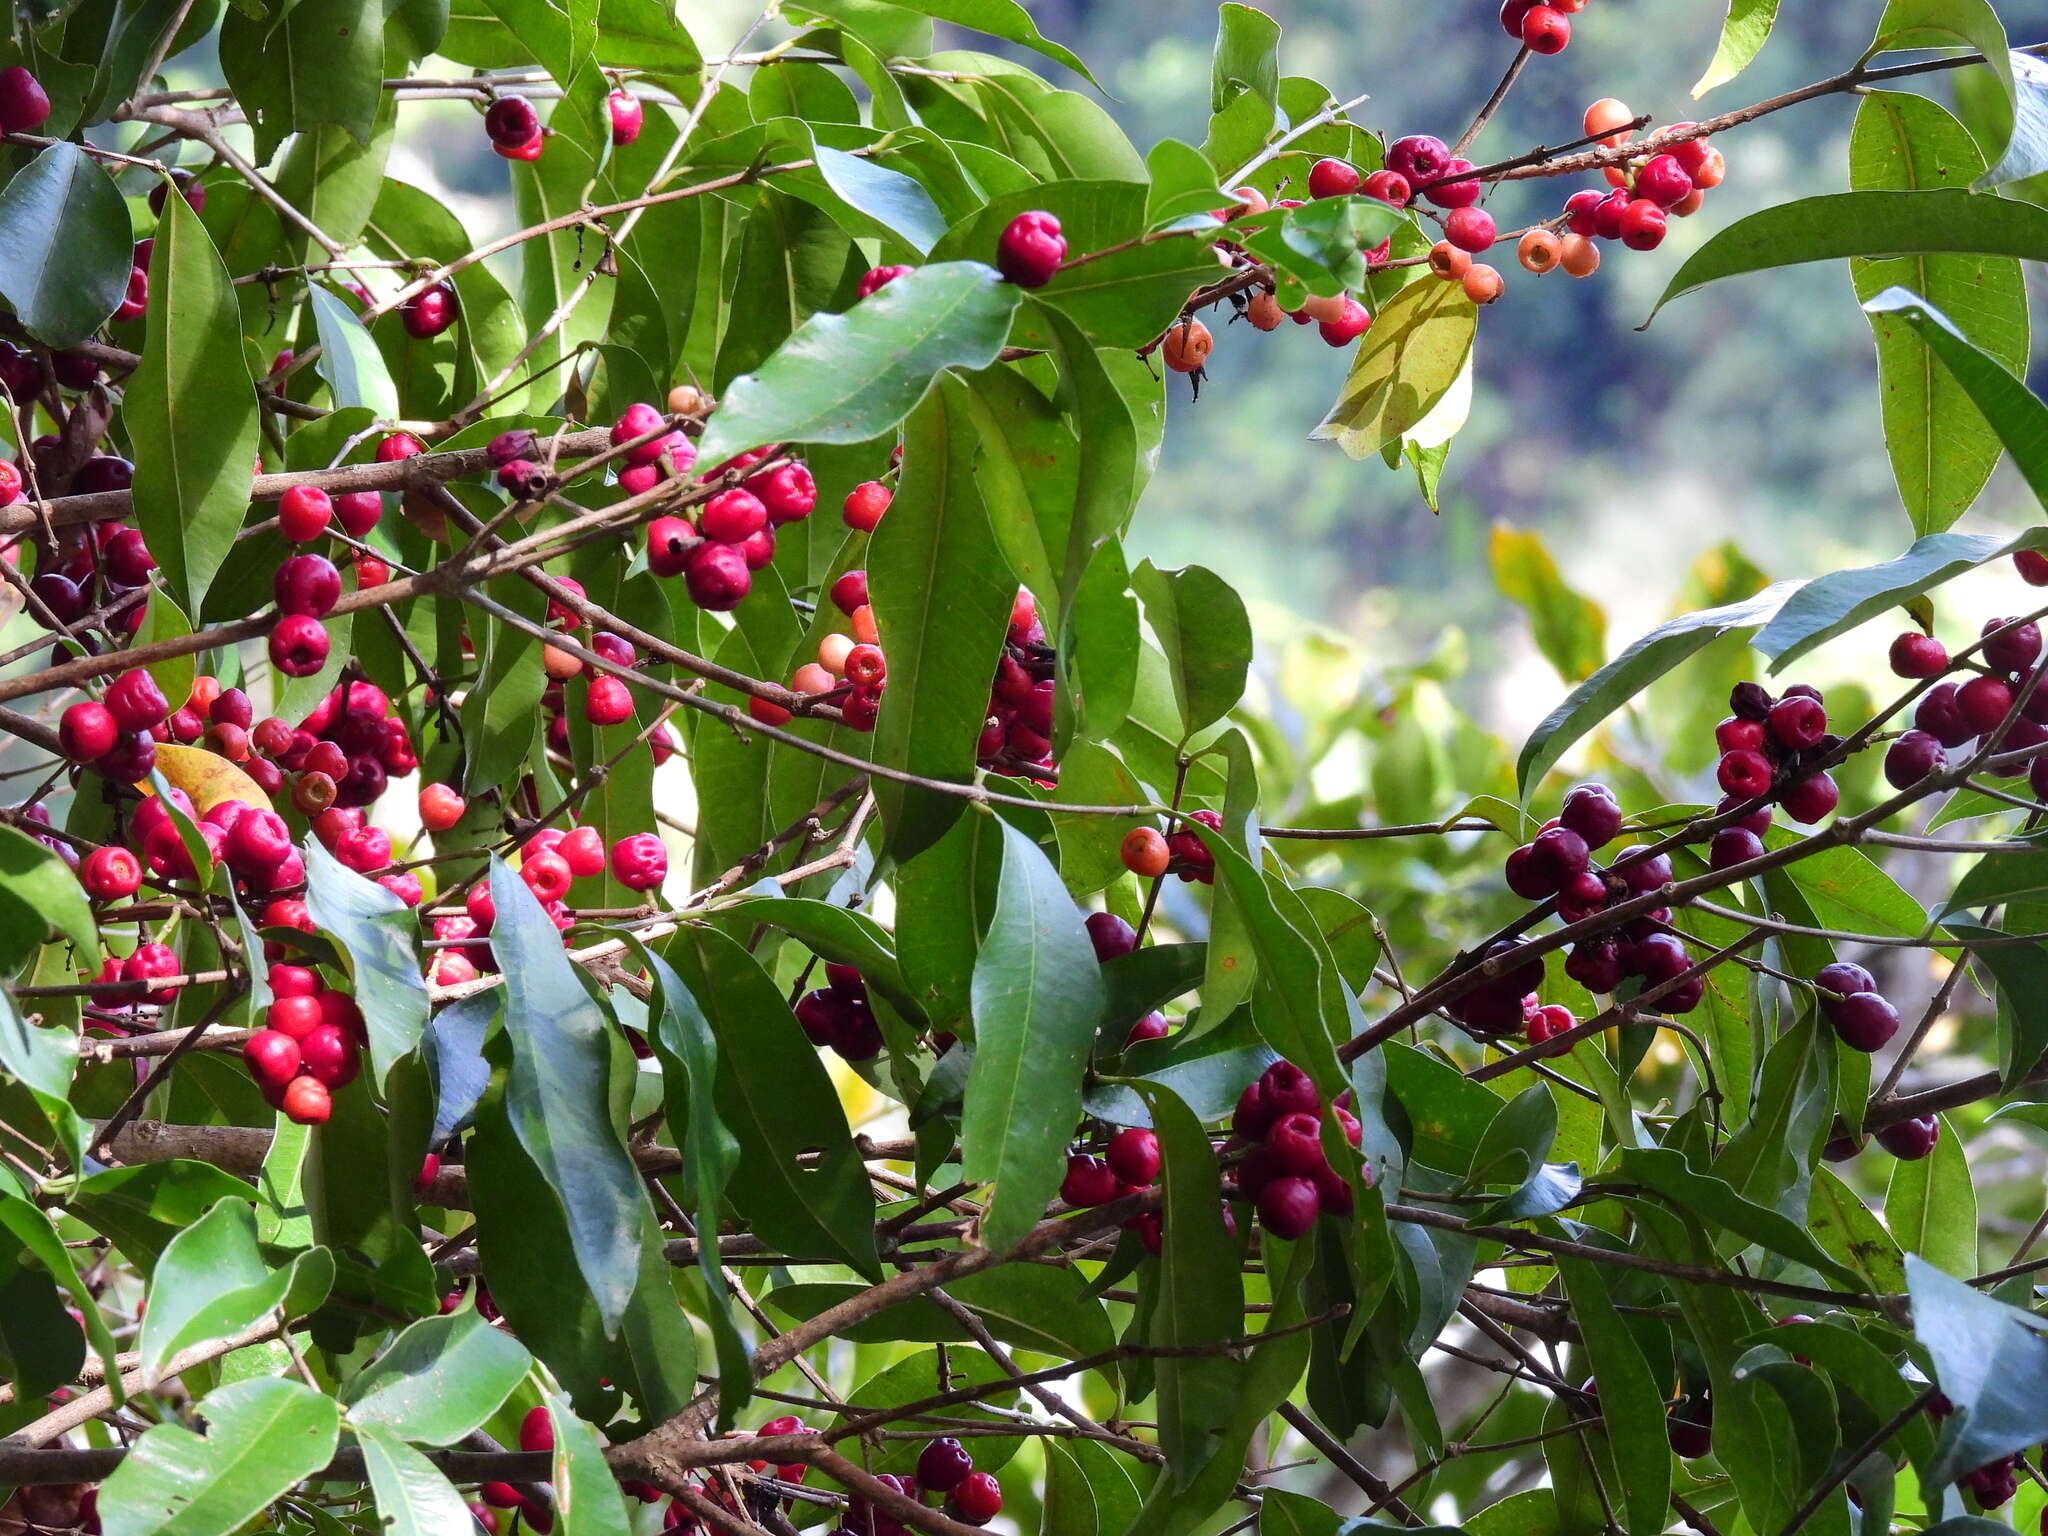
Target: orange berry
1264, 312
1690, 204
1187, 346
1319, 306
1538, 251
862, 623
558, 663
1579, 256
1483, 284
812, 678
1713, 170
1145, 853
832, 651
1448, 262
1606, 116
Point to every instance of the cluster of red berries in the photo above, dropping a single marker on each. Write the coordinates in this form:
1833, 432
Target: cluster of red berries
1863, 1019
1771, 749
851, 670
1953, 715
1286, 1174
514, 128
1016, 733
1544, 28
308, 1046
1150, 854
837, 1015
734, 534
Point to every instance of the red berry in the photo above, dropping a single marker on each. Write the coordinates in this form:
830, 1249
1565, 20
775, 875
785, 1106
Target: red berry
136, 701
944, 1464
1288, 1206
272, 1059
537, 1431
1797, 723
306, 1101
1982, 703
639, 862
582, 849
307, 584
24, 105
670, 542
877, 278
1089, 1183
511, 122
546, 875
717, 577
427, 314
1352, 322
787, 492
1419, 157
1390, 187
1810, 799
1663, 181
87, 730
328, 1055
2012, 649
298, 645
440, 807
977, 1500
1333, 178
732, 516
1462, 191
865, 504
2032, 565
1546, 30
609, 701
110, 873
1031, 249
1642, 225
1745, 773
1133, 1156
1865, 1021
1916, 655
626, 115
1296, 1143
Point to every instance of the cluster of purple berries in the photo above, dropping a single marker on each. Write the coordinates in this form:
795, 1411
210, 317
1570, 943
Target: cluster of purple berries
1952, 715
1770, 749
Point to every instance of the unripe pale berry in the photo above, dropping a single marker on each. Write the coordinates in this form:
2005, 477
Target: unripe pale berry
1605, 118
1539, 251
1578, 255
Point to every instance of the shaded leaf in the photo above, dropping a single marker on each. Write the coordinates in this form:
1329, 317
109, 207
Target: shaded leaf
65, 246
376, 934
1205, 634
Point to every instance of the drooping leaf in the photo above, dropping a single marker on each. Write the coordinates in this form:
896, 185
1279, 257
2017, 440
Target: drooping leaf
1743, 36
773, 1095
349, 361
1411, 357
1631, 1409
559, 1094
1989, 1360
1941, 448
1873, 224
440, 1379
65, 246
413, 1496
845, 378
262, 1436
1205, 634
1037, 1002
1634, 670
296, 69
587, 1497
376, 933
191, 410
1570, 628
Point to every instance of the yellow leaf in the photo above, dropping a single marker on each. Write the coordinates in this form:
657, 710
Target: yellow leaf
206, 776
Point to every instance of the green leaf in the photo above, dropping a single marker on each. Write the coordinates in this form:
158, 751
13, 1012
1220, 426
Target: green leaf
846, 378
31, 1228
1947, 24
918, 1376
1287, 997
1127, 297
999, 18
262, 1436
376, 934
1183, 183
1931, 1206
942, 600
1322, 244
559, 1094
305, 66
1206, 635
587, 1497
774, 1096
1570, 628
1989, 1360
1874, 224
349, 361
42, 1057
1247, 57
1406, 363
896, 201
413, 1496
1199, 1299
39, 895
2014, 414
65, 246
1037, 1002
1087, 1490
212, 1283
441, 1378
1941, 448
1634, 670
1743, 35
1844, 1225
1631, 1407
684, 1041
191, 411
1663, 1170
